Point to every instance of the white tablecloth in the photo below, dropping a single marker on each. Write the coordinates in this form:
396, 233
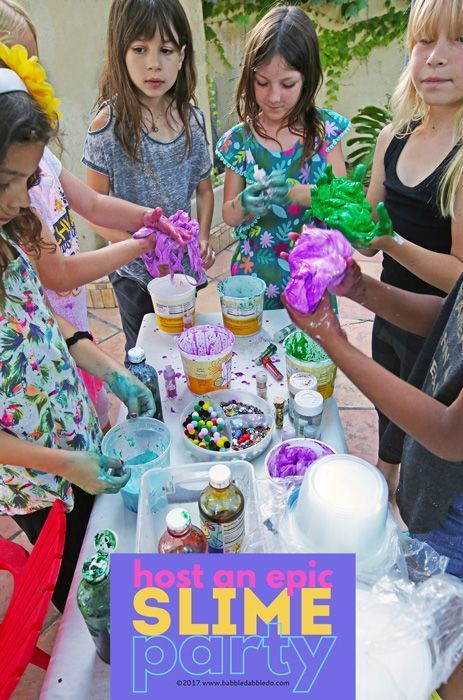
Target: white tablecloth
75, 671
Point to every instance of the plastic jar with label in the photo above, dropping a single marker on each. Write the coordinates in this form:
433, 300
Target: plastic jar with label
308, 411
299, 381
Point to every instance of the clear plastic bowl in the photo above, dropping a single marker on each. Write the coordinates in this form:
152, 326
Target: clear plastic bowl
216, 397
319, 448
142, 443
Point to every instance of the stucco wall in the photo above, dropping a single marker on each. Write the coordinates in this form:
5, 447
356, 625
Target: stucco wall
71, 42
364, 83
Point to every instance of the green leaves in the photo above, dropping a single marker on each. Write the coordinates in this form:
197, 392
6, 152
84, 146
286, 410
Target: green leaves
354, 39
368, 122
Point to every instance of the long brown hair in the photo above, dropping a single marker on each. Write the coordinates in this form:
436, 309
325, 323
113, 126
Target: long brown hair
287, 32
130, 20
22, 121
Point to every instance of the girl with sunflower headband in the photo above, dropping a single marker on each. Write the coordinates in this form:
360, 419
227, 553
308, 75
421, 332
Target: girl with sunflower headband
49, 432
57, 193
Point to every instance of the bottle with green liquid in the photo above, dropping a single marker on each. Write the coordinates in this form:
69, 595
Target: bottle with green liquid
221, 510
93, 592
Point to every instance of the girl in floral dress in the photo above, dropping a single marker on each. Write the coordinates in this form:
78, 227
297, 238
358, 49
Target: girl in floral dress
49, 432
280, 148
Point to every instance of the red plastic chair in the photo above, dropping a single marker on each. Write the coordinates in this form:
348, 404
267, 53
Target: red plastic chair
34, 582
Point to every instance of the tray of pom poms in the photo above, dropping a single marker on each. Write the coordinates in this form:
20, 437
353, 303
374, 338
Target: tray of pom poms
227, 423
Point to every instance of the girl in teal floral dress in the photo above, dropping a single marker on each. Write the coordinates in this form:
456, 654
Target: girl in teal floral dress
281, 147
49, 432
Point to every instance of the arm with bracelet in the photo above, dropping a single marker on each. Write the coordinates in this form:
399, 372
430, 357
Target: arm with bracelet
123, 384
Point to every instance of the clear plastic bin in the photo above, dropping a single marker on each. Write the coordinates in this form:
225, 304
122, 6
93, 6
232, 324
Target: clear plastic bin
180, 487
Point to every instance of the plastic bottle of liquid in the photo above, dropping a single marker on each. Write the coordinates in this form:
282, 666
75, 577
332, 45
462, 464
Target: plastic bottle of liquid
147, 375
221, 509
93, 591
169, 379
181, 537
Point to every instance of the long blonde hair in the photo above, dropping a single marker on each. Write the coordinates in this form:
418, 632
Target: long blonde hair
409, 108
14, 21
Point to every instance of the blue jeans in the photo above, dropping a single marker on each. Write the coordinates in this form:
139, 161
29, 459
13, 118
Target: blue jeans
447, 539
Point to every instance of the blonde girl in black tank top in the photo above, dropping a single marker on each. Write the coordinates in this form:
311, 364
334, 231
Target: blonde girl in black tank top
417, 172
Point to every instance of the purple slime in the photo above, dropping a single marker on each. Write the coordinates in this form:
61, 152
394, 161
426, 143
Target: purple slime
317, 262
169, 251
294, 461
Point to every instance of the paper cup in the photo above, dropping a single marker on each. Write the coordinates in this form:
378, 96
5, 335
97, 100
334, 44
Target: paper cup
242, 301
171, 299
206, 353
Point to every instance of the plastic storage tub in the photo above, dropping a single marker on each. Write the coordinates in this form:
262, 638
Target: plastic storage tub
180, 487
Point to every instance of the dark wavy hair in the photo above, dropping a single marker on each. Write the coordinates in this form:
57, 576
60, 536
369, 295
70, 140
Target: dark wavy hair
285, 31
130, 20
22, 121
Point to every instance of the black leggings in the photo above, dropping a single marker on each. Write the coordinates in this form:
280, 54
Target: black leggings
76, 525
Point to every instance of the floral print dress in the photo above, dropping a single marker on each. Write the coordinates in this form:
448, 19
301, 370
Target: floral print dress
42, 398
262, 239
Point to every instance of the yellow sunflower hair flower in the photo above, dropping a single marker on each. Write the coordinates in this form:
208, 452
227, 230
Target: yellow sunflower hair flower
34, 77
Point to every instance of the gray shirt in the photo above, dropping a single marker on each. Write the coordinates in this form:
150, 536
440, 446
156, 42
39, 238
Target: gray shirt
164, 177
429, 484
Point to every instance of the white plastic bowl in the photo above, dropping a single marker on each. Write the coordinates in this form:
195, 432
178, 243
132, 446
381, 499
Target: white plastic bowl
317, 446
216, 397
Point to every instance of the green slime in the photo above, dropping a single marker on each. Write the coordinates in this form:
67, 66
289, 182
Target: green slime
341, 204
302, 347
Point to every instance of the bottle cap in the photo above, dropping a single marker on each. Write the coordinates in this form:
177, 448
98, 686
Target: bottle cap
219, 476
302, 380
279, 402
308, 402
136, 355
261, 378
168, 369
177, 519
96, 568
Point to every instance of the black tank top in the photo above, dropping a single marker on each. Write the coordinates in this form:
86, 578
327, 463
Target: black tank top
416, 217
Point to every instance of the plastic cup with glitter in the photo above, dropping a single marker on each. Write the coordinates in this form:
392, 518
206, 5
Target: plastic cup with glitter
206, 353
242, 302
304, 355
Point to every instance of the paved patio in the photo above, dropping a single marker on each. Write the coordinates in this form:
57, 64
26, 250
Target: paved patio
357, 414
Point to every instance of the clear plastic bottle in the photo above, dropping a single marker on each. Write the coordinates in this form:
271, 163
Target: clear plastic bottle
93, 592
170, 382
261, 385
181, 537
221, 509
147, 375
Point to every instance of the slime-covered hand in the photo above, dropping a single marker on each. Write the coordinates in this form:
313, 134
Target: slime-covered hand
383, 226
254, 199
341, 204
155, 219
130, 390
317, 262
169, 249
322, 325
278, 188
95, 473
